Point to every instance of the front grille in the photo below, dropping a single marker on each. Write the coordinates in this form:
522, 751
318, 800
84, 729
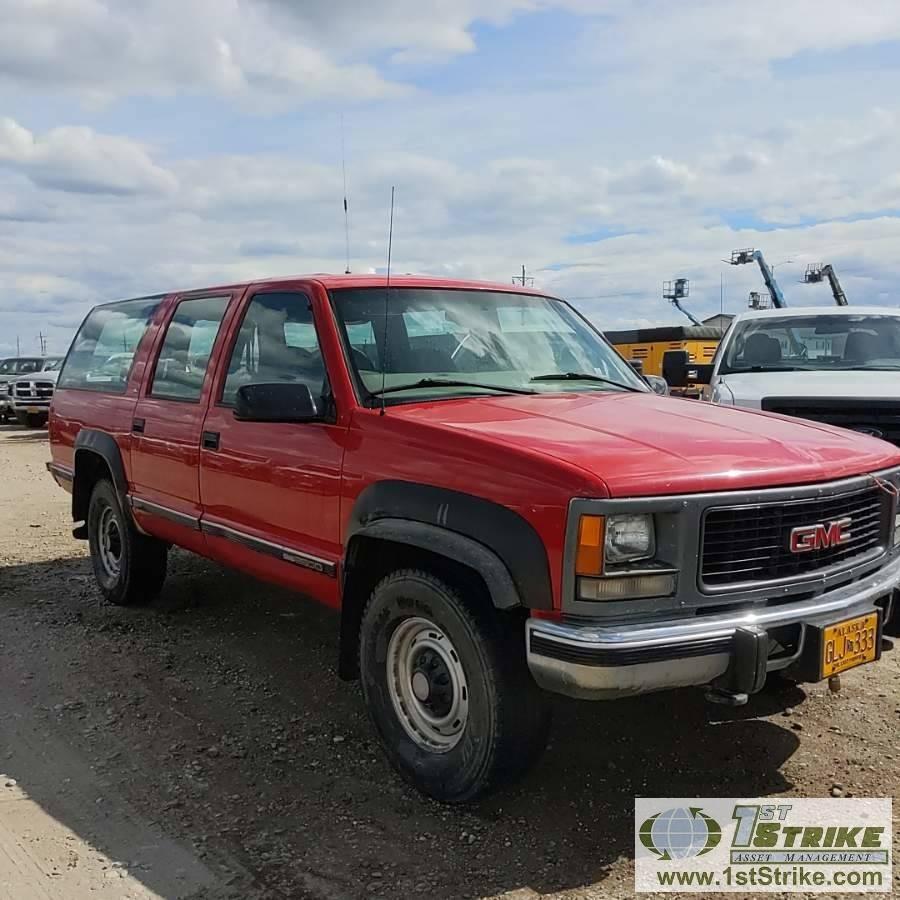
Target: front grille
878, 417
744, 544
34, 390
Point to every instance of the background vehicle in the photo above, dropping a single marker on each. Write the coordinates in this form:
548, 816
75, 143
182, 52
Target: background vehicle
9, 369
816, 273
648, 346
750, 255
30, 395
838, 365
497, 504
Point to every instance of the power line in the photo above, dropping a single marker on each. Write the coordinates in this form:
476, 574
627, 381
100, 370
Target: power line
605, 296
523, 279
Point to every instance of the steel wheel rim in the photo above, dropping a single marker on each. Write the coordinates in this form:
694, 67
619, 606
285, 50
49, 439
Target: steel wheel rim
109, 542
427, 685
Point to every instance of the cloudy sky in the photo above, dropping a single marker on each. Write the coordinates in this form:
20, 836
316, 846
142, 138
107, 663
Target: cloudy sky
148, 145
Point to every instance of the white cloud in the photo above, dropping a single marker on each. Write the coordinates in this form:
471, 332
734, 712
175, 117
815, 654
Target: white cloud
730, 38
103, 49
661, 120
78, 160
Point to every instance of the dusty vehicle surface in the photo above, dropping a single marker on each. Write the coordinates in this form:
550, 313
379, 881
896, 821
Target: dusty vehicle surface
30, 395
9, 370
495, 502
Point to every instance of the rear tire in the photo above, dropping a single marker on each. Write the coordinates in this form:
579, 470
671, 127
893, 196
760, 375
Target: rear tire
130, 568
448, 689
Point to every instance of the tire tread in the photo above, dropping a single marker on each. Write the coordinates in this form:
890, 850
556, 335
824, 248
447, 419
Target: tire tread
520, 720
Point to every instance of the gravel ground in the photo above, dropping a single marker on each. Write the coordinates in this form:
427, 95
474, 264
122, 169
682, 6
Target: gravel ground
215, 720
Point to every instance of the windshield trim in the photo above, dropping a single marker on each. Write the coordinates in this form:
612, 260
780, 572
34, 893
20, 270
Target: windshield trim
369, 400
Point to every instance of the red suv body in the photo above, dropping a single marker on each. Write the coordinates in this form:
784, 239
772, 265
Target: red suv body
493, 499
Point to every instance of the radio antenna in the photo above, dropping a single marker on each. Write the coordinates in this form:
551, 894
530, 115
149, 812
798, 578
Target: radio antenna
346, 205
387, 294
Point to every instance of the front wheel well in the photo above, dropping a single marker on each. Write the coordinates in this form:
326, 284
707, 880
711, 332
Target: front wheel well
369, 560
90, 468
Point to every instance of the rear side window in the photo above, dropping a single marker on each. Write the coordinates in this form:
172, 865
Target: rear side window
104, 348
184, 356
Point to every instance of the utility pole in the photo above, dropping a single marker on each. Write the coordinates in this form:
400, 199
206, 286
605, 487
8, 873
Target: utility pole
18, 351
523, 279
43, 341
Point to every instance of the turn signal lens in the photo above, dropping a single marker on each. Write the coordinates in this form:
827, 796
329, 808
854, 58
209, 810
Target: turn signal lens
627, 587
591, 533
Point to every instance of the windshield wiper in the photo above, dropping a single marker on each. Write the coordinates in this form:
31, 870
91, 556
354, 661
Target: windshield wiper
868, 368
585, 376
450, 382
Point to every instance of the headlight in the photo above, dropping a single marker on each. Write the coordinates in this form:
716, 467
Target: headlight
629, 538
612, 540
607, 545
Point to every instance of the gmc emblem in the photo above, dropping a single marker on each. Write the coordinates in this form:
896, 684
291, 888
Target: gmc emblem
820, 536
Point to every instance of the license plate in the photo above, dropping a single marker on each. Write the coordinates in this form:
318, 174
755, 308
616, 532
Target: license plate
849, 644
33, 409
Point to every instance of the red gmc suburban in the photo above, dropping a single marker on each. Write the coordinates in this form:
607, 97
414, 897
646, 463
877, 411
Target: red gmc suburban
493, 499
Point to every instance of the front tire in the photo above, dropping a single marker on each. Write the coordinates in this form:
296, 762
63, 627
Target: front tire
448, 689
129, 567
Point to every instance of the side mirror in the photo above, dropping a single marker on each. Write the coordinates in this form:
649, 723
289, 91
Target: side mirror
674, 367
679, 371
637, 365
276, 402
657, 385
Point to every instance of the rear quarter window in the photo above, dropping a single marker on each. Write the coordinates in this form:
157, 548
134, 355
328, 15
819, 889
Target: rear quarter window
103, 350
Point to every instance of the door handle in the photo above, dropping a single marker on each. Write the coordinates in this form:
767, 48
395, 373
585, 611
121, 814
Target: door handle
210, 440
137, 426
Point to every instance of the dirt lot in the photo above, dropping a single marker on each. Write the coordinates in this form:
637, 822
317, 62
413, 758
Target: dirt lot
205, 747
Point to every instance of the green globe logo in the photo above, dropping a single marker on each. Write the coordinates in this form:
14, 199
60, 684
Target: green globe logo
680, 833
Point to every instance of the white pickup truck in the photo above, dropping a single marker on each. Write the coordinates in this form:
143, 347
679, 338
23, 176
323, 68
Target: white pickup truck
838, 365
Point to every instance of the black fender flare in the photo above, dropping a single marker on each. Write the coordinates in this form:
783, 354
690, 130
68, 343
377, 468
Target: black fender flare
454, 546
480, 530
103, 445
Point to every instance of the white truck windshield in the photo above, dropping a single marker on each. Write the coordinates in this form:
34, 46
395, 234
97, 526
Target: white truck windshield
813, 342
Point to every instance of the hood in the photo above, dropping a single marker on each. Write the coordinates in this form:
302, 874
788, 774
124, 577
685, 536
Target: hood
644, 444
749, 388
52, 375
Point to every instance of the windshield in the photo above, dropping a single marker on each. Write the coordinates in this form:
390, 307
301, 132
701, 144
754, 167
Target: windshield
477, 342
813, 343
20, 365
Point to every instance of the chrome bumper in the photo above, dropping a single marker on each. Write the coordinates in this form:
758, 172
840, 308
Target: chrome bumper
600, 661
37, 409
